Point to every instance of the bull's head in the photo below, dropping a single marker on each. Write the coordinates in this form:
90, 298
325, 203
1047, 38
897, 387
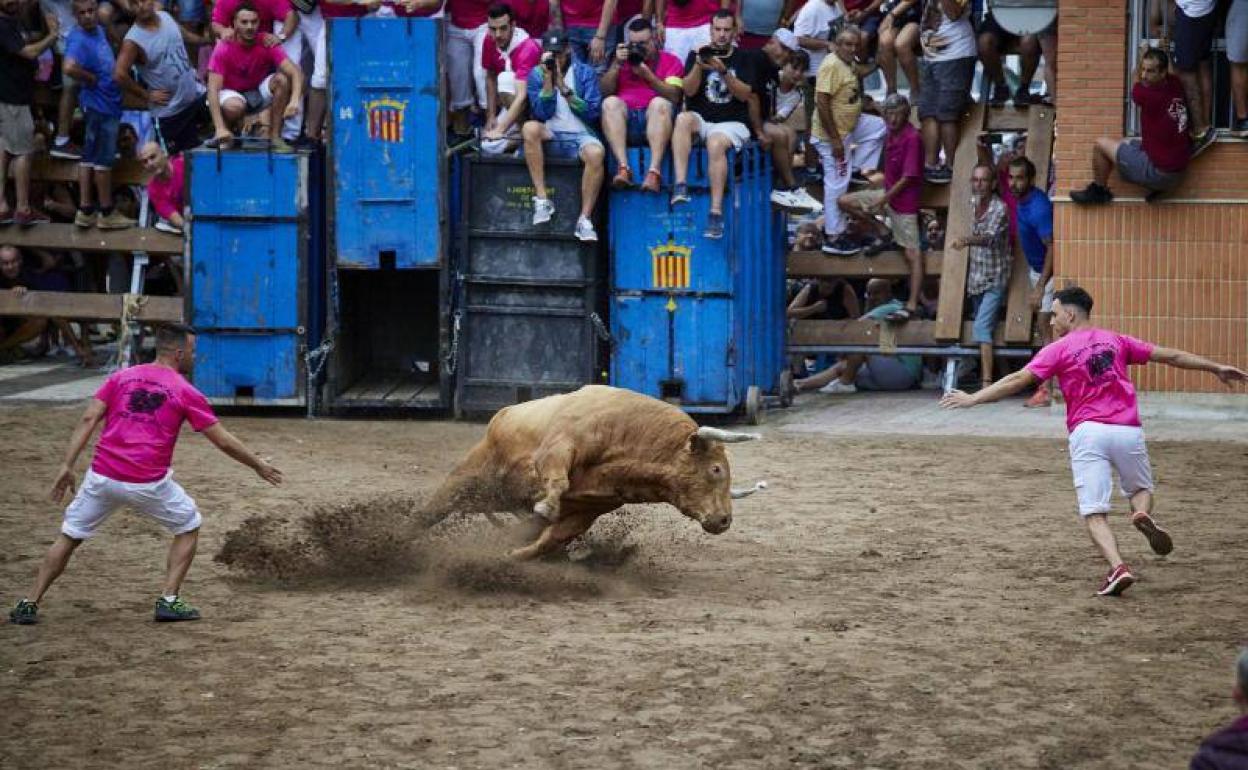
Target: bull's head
704, 492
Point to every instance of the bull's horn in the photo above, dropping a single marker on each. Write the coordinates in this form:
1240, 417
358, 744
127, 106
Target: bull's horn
737, 494
728, 437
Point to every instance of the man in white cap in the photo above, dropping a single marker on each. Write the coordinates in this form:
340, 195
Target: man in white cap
779, 138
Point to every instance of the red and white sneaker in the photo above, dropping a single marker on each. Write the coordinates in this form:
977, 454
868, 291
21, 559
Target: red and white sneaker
1158, 538
1118, 580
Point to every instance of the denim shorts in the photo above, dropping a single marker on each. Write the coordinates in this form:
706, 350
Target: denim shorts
567, 145
1136, 167
99, 148
987, 307
945, 88
637, 125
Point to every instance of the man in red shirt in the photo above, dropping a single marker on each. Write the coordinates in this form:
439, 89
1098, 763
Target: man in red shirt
245, 77
142, 409
1156, 161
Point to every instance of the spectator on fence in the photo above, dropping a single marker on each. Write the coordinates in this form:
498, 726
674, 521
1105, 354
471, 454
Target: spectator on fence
508, 50
685, 26
466, 31
17, 127
993, 42
62, 146
506, 142
89, 60
1227, 749
1033, 217
165, 186
789, 107
945, 73
1194, 22
761, 18
898, 201
988, 263
869, 372
588, 24
813, 27
828, 299
717, 85
1237, 55
156, 47
642, 87
565, 103
899, 43
842, 132
1158, 159
773, 134
279, 26
246, 77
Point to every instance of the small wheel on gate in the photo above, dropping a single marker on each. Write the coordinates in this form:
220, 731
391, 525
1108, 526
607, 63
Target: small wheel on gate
786, 388
754, 405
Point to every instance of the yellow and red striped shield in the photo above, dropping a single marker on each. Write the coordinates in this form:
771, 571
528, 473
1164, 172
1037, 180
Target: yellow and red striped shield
385, 119
671, 266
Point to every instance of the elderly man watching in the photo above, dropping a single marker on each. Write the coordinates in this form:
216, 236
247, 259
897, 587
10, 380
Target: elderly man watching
988, 262
641, 88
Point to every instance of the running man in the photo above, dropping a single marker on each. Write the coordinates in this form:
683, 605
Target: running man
142, 409
1103, 419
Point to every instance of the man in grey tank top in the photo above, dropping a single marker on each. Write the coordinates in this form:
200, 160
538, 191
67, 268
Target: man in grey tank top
155, 44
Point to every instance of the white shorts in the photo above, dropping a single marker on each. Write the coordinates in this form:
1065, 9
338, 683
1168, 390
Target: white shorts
739, 133
266, 96
99, 496
1046, 304
1097, 451
463, 56
679, 41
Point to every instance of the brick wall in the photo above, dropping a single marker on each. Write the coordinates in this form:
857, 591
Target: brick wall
1174, 272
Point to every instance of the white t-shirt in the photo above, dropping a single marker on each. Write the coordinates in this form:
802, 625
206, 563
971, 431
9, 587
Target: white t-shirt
813, 21
1194, 9
565, 121
958, 36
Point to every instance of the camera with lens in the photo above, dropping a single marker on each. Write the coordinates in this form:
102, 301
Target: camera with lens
636, 53
548, 61
707, 52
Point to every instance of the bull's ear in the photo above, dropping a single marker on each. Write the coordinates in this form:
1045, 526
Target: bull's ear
697, 444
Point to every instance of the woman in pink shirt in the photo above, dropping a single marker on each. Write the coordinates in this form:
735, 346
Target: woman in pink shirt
1103, 419
142, 409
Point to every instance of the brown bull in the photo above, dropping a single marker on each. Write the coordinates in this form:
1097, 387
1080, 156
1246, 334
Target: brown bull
573, 457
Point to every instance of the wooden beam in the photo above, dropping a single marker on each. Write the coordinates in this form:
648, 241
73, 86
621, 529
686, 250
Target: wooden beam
934, 196
958, 225
48, 169
1008, 119
67, 236
1018, 313
888, 264
92, 307
912, 333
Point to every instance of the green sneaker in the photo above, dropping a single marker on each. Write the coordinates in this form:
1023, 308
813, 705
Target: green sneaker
24, 614
171, 612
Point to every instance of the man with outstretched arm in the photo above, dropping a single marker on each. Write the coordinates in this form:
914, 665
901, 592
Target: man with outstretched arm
142, 409
1103, 418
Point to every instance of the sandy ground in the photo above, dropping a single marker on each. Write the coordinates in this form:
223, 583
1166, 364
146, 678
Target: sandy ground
890, 603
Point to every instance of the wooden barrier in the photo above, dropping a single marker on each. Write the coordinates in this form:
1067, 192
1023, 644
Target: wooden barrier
888, 264
67, 236
89, 307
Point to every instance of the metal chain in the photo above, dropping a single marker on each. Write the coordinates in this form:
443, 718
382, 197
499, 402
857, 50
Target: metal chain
452, 356
601, 329
316, 359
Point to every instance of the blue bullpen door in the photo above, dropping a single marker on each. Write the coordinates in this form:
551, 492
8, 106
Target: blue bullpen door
386, 106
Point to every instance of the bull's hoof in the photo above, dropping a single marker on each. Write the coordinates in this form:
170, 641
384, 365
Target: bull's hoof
545, 510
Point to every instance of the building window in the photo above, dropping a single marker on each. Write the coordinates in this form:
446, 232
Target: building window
1150, 24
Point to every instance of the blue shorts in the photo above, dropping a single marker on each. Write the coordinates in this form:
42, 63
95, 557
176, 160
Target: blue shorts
99, 148
637, 125
987, 307
567, 145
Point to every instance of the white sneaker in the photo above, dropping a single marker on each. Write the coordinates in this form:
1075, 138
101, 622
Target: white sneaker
543, 210
166, 226
838, 388
807, 201
585, 230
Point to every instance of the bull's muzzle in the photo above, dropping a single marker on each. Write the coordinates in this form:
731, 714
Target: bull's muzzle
737, 494
716, 525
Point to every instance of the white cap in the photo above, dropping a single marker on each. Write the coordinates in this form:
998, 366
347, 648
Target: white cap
787, 39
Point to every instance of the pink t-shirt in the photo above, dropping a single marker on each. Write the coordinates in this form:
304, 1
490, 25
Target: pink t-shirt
1091, 366
581, 13
145, 407
467, 14
244, 68
166, 194
523, 57
903, 158
268, 10
694, 13
636, 92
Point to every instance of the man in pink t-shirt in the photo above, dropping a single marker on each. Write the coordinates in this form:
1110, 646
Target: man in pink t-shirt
245, 77
165, 186
1102, 417
142, 409
269, 11
641, 88
507, 49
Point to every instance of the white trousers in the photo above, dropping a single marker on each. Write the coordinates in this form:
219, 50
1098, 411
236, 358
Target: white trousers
863, 146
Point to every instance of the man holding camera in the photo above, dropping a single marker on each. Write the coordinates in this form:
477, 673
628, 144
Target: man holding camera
565, 100
642, 86
717, 92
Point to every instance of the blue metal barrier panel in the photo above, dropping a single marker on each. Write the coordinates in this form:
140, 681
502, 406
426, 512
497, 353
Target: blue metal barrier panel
248, 184
388, 145
246, 275
249, 368
675, 346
